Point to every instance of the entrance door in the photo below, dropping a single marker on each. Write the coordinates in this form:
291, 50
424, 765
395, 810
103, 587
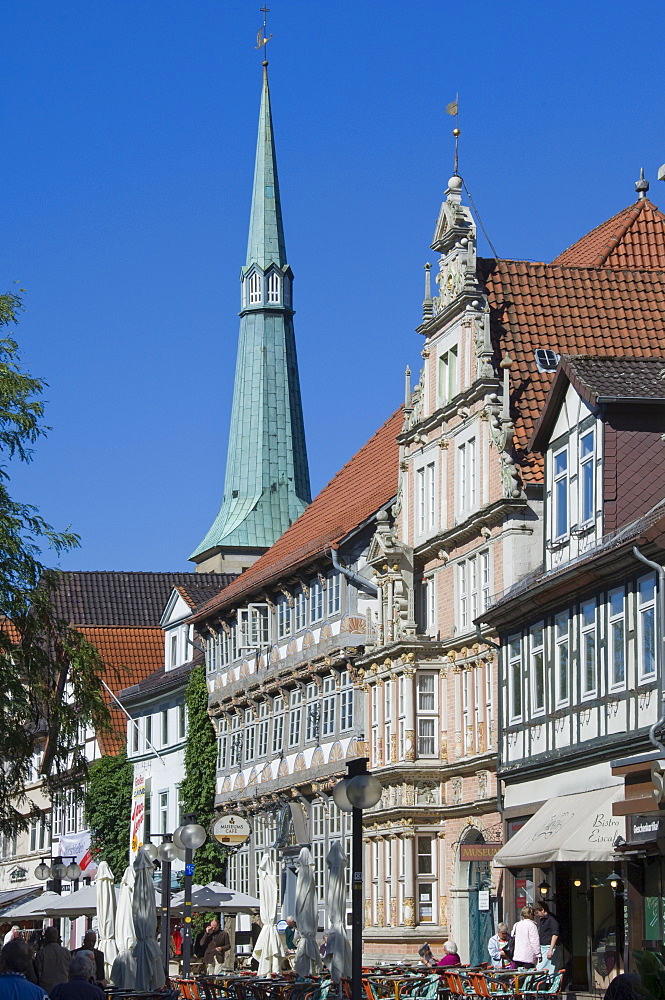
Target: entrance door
481, 922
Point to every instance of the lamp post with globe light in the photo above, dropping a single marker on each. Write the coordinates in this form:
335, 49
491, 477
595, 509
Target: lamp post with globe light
359, 790
56, 871
166, 853
188, 837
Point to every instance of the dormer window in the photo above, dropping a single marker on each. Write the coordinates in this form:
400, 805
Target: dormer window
273, 287
174, 650
254, 288
254, 626
561, 493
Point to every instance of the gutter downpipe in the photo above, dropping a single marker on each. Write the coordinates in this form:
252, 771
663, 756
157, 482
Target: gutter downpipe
359, 581
660, 661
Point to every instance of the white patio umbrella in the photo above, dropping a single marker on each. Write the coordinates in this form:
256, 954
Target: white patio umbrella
106, 916
149, 973
338, 946
123, 971
308, 958
268, 950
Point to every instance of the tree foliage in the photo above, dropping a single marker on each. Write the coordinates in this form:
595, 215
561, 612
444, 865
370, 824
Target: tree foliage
198, 787
108, 803
49, 672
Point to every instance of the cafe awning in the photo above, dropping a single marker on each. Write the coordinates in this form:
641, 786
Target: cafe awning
577, 827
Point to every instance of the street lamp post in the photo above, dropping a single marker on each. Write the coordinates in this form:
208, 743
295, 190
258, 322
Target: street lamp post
167, 852
55, 872
188, 837
359, 790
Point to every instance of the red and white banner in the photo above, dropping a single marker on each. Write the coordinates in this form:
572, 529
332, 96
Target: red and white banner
77, 846
137, 825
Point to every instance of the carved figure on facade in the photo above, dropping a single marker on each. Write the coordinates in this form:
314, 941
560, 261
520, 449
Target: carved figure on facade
502, 431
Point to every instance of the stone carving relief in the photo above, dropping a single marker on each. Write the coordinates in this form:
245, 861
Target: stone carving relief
502, 431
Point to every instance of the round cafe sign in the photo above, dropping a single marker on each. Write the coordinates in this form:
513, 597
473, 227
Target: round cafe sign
233, 830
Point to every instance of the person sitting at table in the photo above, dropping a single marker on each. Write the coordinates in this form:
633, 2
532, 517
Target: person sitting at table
527, 940
450, 956
495, 945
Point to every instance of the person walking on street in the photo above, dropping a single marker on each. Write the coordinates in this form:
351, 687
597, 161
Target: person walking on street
527, 940
15, 961
548, 932
89, 942
52, 961
215, 943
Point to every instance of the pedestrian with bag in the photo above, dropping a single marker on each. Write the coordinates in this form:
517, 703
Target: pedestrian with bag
526, 951
496, 945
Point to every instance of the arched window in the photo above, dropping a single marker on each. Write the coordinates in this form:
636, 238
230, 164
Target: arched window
273, 287
254, 288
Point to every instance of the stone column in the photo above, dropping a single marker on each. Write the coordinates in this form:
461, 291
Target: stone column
441, 876
380, 881
409, 715
393, 847
409, 908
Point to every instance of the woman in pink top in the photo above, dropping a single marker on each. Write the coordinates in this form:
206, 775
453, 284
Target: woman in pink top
527, 940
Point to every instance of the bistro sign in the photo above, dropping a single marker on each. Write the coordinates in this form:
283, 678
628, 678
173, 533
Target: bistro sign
232, 830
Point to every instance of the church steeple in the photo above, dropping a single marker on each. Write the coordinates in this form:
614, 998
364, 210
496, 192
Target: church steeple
266, 486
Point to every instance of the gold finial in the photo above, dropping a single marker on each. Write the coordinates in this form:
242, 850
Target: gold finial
261, 38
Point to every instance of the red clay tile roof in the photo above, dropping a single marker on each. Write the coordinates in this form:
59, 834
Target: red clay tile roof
131, 654
633, 238
359, 489
569, 310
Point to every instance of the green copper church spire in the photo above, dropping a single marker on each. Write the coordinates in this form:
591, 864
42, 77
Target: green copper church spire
266, 486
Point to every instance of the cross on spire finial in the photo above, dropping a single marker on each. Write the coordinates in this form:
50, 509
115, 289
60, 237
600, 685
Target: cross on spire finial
262, 39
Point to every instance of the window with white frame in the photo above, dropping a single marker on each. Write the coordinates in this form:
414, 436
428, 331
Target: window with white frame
163, 803
232, 871
515, 678
182, 721
243, 872
375, 725
467, 475
587, 491
562, 656
211, 653
588, 648
489, 707
401, 721
254, 626
173, 662
313, 727
424, 864
254, 288
388, 720
283, 617
295, 717
235, 755
222, 744
148, 732
345, 702
278, 709
300, 610
646, 626
426, 498
428, 606
332, 593
616, 606
426, 701
316, 601
473, 593
447, 375
420, 500
273, 287
264, 729
537, 667
250, 735
425, 902
328, 706
560, 493
467, 697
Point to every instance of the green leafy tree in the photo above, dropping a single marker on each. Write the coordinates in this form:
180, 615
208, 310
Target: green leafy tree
108, 804
48, 671
198, 787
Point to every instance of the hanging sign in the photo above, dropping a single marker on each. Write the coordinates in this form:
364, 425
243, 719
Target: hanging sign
138, 815
232, 830
478, 852
483, 899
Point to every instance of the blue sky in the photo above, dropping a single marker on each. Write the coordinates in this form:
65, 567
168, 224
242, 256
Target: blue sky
129, 134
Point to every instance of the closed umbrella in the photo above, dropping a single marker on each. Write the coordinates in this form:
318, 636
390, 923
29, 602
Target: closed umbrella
123, 973
338, 946
149, 968
268, 950
106, 916
307, 961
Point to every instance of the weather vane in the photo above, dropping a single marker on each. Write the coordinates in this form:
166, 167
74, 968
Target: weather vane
261, 38
453, 109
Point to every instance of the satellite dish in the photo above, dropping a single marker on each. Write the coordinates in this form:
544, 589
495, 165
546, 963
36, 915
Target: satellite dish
661, 173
